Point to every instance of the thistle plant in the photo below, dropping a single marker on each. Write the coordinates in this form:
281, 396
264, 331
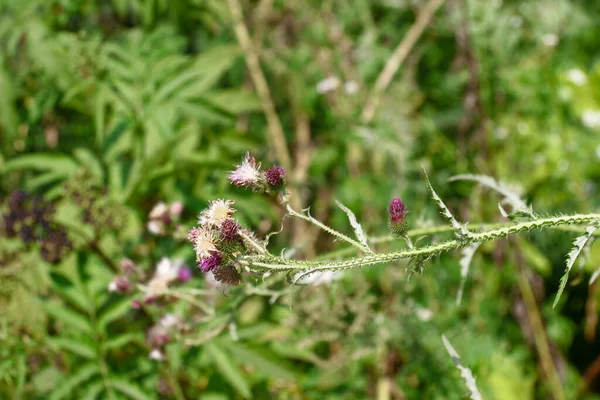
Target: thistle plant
229, 250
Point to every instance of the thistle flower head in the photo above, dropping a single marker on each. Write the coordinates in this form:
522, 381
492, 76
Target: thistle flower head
204, 244
229, 229
276, 177
397, 211
246, 174
217, 212
210, 263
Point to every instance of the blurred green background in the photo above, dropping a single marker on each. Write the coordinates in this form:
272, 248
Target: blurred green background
109, 107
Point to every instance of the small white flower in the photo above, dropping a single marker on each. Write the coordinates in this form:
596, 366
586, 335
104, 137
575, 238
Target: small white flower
204, 244
577, 76
217, 212
156, 355
351, 87
166, 272
424, 314
328, 84
158, 211
550, 40
591, 118
156, 227
112, 286
169, 321
167, 269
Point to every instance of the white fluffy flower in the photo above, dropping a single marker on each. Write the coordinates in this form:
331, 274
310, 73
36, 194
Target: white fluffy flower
217, 212
328, 84
156, 355
247, 174
204, 244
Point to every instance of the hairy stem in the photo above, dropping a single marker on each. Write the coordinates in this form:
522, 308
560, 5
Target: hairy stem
273, 263
324, 227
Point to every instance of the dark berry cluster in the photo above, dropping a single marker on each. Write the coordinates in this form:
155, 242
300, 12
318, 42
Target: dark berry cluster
30, 218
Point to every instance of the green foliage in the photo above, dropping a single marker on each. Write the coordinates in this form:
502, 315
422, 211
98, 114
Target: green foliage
139, 102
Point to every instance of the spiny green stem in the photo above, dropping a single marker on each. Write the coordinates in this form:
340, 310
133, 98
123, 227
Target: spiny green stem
274, 263
434, 230
324, 227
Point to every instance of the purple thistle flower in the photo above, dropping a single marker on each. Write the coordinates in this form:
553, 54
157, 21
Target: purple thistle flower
275, 176
210, 263
247, 174
184, 274
397, 210
193, 234
229, 229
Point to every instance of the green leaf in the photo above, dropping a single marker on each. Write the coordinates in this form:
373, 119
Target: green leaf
69, 317
578, 245
122, 340
66, 387
92, 391
80, 348
42, 162
228, 370
44, 179
90, 162
113, 313
234, 101
264, 364
129, 389
295, 352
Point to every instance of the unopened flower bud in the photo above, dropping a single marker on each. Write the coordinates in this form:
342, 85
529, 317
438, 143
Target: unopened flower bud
229, 230
397, 211
276, 177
